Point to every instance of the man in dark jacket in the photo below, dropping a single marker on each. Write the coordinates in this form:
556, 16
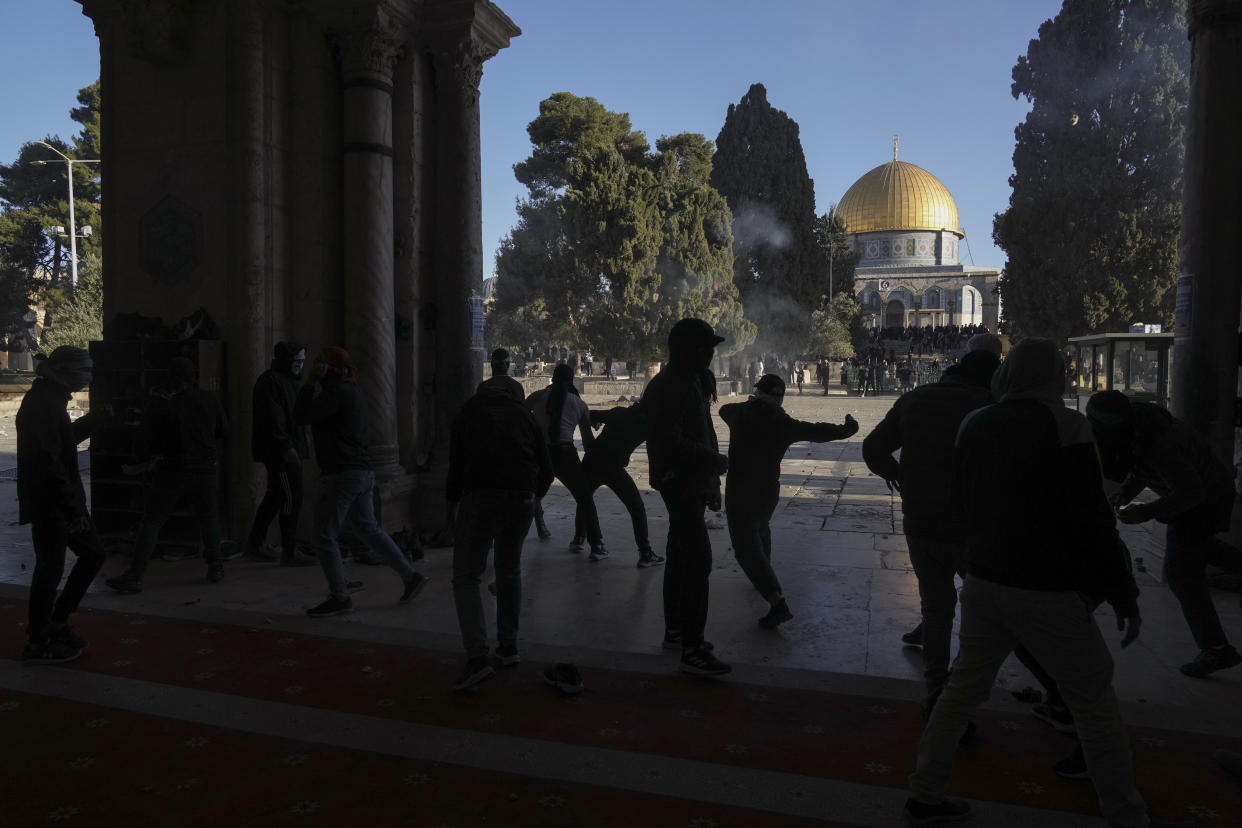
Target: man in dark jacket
498, 467
183, 425
686, 465
329, 403
500, 378
1039, 534
1144, 446
603, 464
923, 424
52, 500
760, 432
279, 444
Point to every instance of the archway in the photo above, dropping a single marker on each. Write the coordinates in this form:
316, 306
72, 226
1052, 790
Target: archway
895, 314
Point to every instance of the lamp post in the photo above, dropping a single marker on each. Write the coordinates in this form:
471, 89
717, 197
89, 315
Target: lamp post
73, 230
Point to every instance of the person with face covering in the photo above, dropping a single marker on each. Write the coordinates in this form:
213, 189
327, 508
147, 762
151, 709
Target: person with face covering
760, 432
1040, 536
52, 500
686, 465
183, 426
279, 443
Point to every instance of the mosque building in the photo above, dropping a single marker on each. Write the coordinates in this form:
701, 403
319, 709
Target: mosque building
903, 224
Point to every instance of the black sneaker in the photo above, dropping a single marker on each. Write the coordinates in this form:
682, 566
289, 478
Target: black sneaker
599, 552
230, 551
564, 677
508, 655
672, 641
702, 662
332, 606
541, 529
1209, 661
64, 634
126, 583
49, 652
412, 587
914, 638
477, 670
355, 586
1057, 715
1073, 765
215, 573
948, 810
777, 615
648, 557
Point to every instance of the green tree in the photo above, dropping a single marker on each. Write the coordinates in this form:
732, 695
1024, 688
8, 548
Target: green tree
836, 329
778, 268
1093, 221
614, 242
832, 238
79, 317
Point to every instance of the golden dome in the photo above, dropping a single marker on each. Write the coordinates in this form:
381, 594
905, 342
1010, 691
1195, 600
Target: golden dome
898, 196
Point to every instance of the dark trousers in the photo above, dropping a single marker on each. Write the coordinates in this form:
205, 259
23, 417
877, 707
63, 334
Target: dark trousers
485, 520
598, 473
689, 563
751, 534
51, 536
283, 500
1190, 545
568, 469
168, 486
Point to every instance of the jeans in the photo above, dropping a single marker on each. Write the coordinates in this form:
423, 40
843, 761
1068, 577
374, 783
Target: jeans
1060, 631
282, 500
751, 535
1190, 545
347, 496
615, 477
51, 536
568, 469
484, 518
168, 486
935, 563
689, 563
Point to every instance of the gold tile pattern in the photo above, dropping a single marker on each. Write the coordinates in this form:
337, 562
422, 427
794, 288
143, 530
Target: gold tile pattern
898, 196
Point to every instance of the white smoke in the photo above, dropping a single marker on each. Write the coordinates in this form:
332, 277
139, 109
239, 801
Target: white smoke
756, 225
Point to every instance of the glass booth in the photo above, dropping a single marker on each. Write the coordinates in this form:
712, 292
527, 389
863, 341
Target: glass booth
1137, 364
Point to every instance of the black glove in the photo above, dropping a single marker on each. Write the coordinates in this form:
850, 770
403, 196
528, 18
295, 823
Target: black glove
851, 426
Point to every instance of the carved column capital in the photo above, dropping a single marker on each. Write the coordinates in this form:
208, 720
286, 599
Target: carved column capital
371, 46
460, 67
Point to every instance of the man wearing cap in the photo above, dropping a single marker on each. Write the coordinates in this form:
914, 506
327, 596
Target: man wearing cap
279, 443
52, 500
760, 432
686, 465
1144, 446
329, 403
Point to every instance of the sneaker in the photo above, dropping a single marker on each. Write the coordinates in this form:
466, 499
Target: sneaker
215, 573
230, 551
564, 677
777, 615
49, 652
541, 529
915, 639
126, 583
260, 553
598, 553
1073, 765
948, 810
332, 606
64, 634
477, 670
1057, 715
577, 545
184, 553
1209, 661
508, 655
702, 662
648, 557
672, 641
412, 587
355, 586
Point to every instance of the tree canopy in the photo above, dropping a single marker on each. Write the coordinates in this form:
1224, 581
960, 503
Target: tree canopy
778, 268
1092, 226
615, 242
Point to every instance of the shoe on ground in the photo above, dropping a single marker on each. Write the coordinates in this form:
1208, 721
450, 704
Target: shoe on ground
184, 553
577, 545
355, 586
508, 655
1056, 715
672, 641
215, 573
542, 530
948, 810
412, 587
914, 638
777, 615
598, 553
126, 583
702, 662
332, 606
564, 677
260, 553
648, 557
1209, 661
1073, 765
477, 670
64, 634
49, 652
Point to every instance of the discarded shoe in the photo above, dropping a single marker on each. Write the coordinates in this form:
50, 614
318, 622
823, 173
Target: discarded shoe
564, 677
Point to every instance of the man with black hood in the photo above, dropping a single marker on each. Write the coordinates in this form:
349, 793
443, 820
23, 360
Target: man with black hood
52, 500
604, 464
1144, 446
686, 465
500, 379
279, 443
760, 432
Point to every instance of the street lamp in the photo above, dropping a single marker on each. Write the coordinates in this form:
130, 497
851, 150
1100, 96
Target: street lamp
73, 230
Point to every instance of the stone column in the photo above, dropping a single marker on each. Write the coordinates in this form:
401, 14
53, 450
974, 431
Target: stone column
368, 54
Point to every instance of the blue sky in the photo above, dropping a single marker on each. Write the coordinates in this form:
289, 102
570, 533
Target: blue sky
850, 73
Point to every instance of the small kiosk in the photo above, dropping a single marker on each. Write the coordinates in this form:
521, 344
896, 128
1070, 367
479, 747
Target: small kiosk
1136, 364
